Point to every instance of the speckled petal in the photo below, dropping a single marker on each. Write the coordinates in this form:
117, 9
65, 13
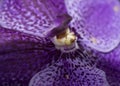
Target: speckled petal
97, 22
70, 72
36, 17
112, 74
22, 56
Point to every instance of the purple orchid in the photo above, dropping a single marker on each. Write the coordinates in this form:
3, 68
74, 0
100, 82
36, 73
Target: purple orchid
59, 43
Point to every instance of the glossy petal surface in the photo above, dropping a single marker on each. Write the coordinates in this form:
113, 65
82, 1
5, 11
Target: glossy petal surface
97, 22
36, 17
22, 56
69, 72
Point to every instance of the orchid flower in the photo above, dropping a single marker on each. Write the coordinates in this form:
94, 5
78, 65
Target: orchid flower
59, 43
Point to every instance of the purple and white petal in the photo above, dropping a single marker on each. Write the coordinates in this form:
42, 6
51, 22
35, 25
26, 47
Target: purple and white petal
69, 72
111, 59
36, 17
22, 56
97, 22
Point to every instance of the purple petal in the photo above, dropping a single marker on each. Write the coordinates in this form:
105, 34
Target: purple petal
97, 22
36, 17
22, 56
112, 75
70, 72
112, 59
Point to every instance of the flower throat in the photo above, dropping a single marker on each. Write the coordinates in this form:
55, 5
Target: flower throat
65, 41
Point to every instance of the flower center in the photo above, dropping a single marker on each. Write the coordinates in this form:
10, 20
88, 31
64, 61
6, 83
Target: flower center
65, 41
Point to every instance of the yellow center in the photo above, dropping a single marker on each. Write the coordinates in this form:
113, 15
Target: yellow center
65, 39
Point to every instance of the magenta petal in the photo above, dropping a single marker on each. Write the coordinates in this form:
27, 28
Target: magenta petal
69, 73
97, 22
36, 17
21, 56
